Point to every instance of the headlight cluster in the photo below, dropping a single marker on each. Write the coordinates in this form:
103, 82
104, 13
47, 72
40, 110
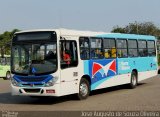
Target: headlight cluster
51, 82
14, 82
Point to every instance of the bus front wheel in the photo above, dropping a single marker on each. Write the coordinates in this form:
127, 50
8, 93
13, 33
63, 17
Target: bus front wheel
84, 89
134, 80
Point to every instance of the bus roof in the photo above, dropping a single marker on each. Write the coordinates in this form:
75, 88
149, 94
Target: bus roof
127, 36
69, 32
66, 32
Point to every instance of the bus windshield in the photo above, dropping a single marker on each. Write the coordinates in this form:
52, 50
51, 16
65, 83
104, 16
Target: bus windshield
34, 57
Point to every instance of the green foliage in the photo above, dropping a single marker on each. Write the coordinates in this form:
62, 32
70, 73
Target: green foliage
146, 28
118, 29
5, 42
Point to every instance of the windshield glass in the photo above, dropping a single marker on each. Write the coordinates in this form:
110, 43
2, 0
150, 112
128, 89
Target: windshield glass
34, 58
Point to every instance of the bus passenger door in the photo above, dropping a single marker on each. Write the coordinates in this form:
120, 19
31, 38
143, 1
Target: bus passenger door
69, 66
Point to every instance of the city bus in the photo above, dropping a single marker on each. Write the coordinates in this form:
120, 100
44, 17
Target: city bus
5, 67
58, 62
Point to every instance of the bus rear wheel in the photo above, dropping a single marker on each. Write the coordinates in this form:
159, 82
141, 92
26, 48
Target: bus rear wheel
84, 89
134, 80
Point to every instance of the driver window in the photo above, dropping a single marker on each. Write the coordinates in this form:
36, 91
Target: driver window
68, 53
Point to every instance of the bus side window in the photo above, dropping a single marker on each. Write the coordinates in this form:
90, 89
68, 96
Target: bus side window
68, 52
109, 48
151, 48
113, 52
84, 48
122, 48
142, 44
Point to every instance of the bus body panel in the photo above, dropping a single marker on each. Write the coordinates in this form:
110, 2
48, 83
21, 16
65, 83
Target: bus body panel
102, 72
16, 91
69, 81
119, 73
38, 84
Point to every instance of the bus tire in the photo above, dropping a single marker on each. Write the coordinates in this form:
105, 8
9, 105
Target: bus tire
134, 80
8, 75
84, 89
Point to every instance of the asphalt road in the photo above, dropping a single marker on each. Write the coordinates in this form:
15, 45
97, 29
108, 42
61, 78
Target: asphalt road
145, 97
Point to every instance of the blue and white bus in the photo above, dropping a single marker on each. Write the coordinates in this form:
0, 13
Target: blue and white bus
97, 60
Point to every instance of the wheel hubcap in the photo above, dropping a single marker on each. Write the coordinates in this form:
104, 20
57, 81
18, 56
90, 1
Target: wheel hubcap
134, 80
83, 89
8, 75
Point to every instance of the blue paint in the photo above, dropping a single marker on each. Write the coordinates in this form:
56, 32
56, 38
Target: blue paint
102, 74
86, 67
96, 84
126, 65
123, 66
45, 79
127, 36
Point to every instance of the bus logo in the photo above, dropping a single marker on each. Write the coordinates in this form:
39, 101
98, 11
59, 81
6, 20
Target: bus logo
33, 70
104, 69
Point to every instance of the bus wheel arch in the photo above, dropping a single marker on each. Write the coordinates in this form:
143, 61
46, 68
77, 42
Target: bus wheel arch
134, 79
84, 87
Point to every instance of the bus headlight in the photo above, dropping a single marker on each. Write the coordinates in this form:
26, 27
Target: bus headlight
51, 82
14, 82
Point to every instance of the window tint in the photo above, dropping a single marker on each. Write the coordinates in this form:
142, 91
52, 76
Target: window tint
109, 48
142, 45
84, 48
151, 48
122, 48
96, 48
132, 48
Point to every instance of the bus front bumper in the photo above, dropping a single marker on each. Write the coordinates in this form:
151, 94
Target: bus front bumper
36, 91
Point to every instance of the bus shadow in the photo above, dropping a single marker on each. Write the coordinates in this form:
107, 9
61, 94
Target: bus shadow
7, 98
112, 89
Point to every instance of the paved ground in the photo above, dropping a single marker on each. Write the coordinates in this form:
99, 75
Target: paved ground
146, 97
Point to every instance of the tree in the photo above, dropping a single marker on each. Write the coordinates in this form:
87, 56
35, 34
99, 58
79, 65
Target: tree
5, 40
118, 29
146, 28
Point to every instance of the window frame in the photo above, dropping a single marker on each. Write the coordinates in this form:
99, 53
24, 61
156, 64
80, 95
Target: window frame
102, 49
109, 47
117, 39
133, 48
151, 48
89, 47
68, 66
142, 48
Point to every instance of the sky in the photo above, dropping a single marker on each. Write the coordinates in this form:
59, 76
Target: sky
93, 15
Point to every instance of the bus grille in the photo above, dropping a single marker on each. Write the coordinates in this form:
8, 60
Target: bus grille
32, 90
39, 79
